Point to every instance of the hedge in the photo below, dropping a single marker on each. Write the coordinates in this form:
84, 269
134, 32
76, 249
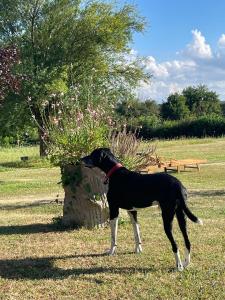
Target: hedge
200, 127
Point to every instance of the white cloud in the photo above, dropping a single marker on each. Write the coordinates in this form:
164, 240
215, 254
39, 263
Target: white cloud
197, 64
221, 41
153, 67
198, 48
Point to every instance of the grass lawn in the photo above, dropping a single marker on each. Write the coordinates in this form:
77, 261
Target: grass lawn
41, 260
35, 178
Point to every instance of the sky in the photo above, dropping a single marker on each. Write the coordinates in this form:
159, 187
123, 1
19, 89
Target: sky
183, 44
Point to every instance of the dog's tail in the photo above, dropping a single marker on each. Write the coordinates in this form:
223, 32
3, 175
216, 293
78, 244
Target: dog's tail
183, 205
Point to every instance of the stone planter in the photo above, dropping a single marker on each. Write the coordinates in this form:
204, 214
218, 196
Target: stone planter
85, 201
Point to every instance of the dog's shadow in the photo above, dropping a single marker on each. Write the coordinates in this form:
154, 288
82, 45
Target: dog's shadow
43, 268
33, 228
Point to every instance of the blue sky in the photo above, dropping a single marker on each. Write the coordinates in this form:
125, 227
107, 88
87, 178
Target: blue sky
170, 23
185, 45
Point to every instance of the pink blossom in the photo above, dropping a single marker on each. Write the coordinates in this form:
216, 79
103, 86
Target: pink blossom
55, 121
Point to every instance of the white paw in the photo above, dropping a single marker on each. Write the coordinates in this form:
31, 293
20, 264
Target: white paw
180, 267
186, 262
111, 251
199, 221
187, 258
138, 249
178, 261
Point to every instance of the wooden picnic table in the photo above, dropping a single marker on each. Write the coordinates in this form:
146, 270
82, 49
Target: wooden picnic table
175, 165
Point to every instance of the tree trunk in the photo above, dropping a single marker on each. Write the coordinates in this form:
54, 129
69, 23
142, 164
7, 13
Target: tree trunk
43, 147
85, 202
42, 136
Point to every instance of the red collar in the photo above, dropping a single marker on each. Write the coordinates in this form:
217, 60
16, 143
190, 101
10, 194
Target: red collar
111, 171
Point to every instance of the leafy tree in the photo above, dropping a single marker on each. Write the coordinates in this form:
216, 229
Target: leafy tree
175, 108
129, 108
133, 108
8, 81
202, 101
14, 117
152, 108
222, 105
71, 43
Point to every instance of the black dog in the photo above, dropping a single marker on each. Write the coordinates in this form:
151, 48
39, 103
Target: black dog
131, 191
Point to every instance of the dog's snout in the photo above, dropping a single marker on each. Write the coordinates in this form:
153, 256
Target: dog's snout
87, 161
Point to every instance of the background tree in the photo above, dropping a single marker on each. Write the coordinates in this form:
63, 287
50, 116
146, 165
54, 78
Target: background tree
152, 107
201, 101
131, 108
134, 108
9, 57
15, 119
222, 105
71, 43
175, 108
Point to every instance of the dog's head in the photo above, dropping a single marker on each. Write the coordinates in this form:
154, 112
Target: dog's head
101, 158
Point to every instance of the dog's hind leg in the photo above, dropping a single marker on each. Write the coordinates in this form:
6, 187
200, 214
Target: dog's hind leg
181, 218
167, 222
136, 228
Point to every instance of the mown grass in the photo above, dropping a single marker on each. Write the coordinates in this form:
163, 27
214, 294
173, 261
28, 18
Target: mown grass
39, 259
211, 149
36, 177
23, 183
10, 158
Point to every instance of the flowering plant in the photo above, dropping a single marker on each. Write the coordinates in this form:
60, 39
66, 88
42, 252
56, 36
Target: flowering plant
73, 129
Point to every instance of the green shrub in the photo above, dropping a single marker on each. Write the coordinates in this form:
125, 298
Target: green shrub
6, 141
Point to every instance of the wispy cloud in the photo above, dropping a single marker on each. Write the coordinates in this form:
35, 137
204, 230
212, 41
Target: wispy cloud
196, 64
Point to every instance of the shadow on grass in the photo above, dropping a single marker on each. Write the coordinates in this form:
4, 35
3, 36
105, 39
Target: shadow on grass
43, 268
37, 163
15, 165
207, 193
27, 205
32, 228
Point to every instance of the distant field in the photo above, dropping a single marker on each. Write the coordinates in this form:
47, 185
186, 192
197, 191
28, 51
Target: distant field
207, 148
41, 260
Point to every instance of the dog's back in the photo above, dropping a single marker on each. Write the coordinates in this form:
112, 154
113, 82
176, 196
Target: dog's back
141, 190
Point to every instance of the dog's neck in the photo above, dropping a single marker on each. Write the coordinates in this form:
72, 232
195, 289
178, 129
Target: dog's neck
113, 169
110, 166
111, 172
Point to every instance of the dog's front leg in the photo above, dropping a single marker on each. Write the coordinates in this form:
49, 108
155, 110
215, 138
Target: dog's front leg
137, 235
114, 229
